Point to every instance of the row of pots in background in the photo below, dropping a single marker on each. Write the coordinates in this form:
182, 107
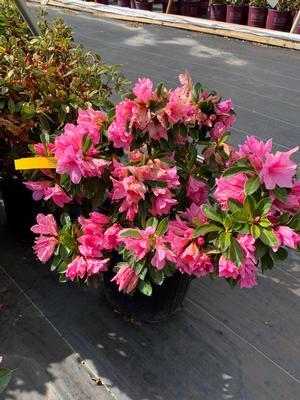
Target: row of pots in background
257, 14
260, 17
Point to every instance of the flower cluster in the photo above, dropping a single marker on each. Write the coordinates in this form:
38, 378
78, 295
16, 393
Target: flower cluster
131, 185
152, 206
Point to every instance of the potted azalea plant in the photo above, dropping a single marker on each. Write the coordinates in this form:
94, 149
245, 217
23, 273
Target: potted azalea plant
148, 214
189, 7
235, 11
218, 10
257, 16
278, 18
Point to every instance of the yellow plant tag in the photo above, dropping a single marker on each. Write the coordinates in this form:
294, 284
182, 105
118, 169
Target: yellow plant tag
36, 163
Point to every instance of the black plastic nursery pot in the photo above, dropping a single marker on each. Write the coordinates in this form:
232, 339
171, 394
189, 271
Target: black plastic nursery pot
245, 14
174, 7
123, 3
278, 20
257, 17
21, 210
203, 8
165, 301
143, 5
234, 14
189, 8
218, 12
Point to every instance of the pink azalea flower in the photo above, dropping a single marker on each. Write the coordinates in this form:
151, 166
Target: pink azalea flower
141, 117
224, 107
255, 150
91, 121
162, 254
40, 150
110, 237
126, 278
46, 225
247, 243
221, 126
287, 237
194, 262
279, 170
95, 266
44, 247
38, 188
91, 245
143, 90
292, 204
72, 160
77, 268
247, 274
197, 191
227, 269
58, 195
162, 202
195, 215
232, 187
180, 108
139, 246
118, 132
156, 131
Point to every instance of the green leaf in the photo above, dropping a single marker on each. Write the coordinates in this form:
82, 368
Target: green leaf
145, 288
295, 222
153, 221
162, 227
260, 249
27, 112
131, 233
169, 269
240, 216
234, 170
266, 262
280, 194
264, 223
281, 254
203, 229
156, 275
5, 377
212, 214
139, 266
55, 262
157, 184
11, 105
264, 206
236, 252
234, 205
196, 90
251, 185
62, 267
228, 222
268, 237
284, 219
225, 240
255, 231
250, 205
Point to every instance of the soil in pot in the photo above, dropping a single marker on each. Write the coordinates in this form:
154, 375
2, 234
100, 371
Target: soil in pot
165, 301
203, 8
21, 210
234, 14
218, 12
278, 20
123, 3
257, 17
174, 8
143, 5
189, 8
